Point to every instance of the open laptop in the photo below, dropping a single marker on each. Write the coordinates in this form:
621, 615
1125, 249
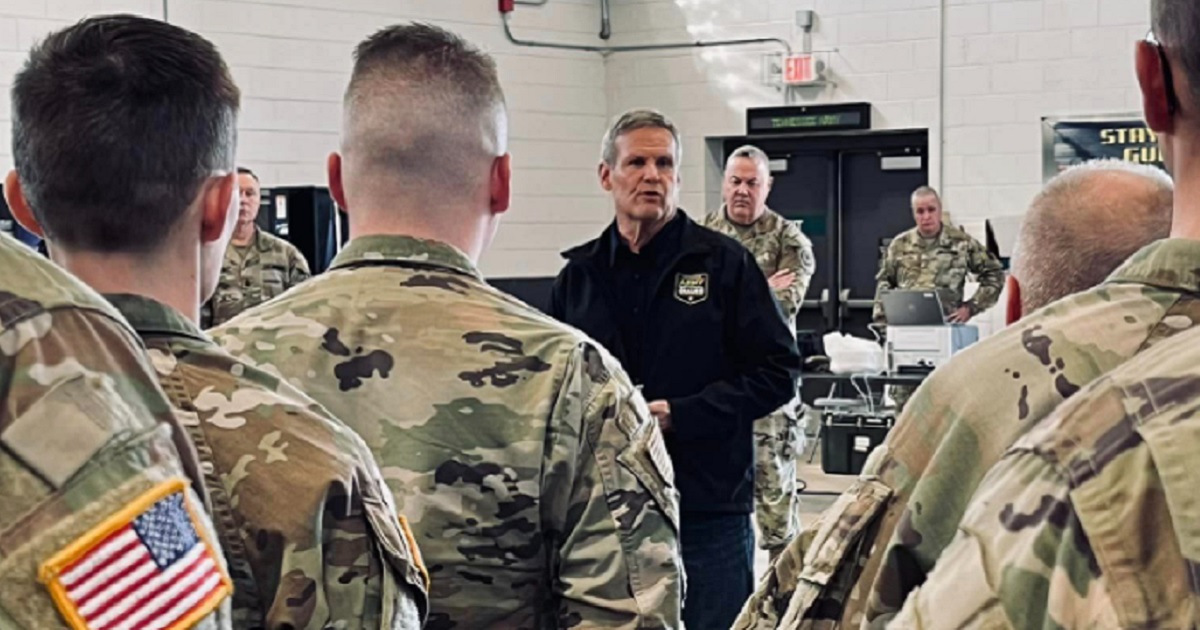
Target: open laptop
913, 308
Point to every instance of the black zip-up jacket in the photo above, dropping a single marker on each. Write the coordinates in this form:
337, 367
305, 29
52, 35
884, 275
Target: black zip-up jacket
715, 347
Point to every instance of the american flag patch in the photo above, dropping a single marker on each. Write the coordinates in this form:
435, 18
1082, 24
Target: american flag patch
150, 566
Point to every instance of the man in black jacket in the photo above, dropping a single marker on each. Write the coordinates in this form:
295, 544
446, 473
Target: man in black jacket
692, 319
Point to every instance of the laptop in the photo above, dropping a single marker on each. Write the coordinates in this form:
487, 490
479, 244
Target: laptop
913, 308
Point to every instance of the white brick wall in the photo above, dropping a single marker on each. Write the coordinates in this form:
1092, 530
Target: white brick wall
1007, 64
292, 59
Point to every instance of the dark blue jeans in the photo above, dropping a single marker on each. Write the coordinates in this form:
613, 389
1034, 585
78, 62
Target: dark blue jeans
718, 554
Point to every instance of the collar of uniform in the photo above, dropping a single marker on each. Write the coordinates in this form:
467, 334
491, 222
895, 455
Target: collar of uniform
151, 316
669, 232
261, 240
1170, 263
758, 226
404, 249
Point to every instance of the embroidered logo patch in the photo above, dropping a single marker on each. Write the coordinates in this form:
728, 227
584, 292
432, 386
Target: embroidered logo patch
149, 565
691, 288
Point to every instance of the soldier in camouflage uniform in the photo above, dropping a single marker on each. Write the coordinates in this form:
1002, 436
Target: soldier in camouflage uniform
258, 266
1089, 520
938, 257
785, 256
85, 432
880, 540
528, 465
301, 509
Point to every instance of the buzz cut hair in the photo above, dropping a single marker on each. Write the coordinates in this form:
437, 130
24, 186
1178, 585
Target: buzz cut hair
633, 120
1084, 223
424, 107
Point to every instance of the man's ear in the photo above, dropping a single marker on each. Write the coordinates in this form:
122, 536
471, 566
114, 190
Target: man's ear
605, 172
333, 171
216, 204
19, 206
500, 186
1156, 107
1013, 306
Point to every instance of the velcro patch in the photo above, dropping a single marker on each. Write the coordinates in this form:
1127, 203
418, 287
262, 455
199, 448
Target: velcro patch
150, 565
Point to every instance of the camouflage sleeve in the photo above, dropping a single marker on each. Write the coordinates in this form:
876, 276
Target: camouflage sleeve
609, 493
796, 257
87, 437
885, 281
1021, 560
297, 268
989, 272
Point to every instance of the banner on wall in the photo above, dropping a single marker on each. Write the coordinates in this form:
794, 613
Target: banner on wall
1066, 142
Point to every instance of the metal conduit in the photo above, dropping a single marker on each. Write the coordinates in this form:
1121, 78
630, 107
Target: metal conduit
608, 50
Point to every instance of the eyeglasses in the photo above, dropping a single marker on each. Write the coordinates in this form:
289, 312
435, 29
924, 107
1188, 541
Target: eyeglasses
1168, 79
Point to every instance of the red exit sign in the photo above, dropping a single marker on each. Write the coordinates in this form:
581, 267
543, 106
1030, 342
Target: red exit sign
799, 69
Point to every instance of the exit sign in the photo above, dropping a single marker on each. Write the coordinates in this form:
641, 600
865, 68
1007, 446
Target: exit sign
799, 69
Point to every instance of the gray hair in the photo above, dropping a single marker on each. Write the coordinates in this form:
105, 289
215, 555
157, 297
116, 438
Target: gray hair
1085, 223
926, 191
750, 152
1176, 23
637, 119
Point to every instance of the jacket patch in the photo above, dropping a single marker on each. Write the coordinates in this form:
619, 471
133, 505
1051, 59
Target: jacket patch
691, 288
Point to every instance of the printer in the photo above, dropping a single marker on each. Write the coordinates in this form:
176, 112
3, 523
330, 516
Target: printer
925, 348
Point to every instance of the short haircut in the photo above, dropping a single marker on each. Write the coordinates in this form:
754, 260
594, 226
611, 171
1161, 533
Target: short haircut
1085, 223
1176, 23
242, 170
117, 122
751, 152
926, 191
632, 120
424, 107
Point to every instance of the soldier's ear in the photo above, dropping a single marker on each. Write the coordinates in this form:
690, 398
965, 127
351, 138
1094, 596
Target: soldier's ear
500, 185
1012, 312
333, 170
19, 205
218, 207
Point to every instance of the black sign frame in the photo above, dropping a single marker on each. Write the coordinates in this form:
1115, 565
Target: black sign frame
791, 119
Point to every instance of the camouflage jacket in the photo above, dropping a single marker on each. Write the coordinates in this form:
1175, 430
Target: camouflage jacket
942, 263
253, 274
859, 562
777, 244
537, 484
1089, 520
87, 448
302, 511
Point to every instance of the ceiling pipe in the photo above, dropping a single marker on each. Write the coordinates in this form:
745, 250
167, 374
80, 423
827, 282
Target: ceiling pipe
608, 50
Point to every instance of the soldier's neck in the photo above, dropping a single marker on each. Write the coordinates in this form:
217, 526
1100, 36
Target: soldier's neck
1185, 218
171, 276
243, 235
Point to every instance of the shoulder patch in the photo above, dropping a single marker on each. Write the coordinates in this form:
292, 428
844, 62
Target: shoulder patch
150, 565
691, 288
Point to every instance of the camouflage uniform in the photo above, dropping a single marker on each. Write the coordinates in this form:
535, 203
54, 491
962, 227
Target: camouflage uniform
777, 244
303, 513
1089, 520
85, 430
879, 542
941, 263
537, 485
253, 274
